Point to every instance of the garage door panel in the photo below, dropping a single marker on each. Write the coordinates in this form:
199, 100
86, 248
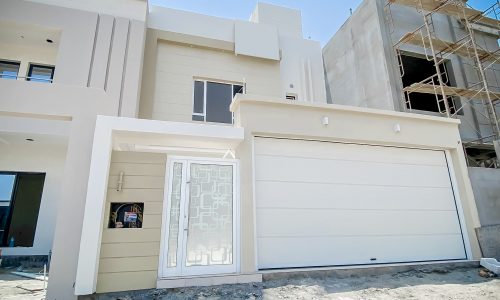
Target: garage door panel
322, 222
291, 252
347, 152
348, 172
321, 204
305, 195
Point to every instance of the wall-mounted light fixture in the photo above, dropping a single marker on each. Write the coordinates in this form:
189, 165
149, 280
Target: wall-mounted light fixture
325, 121
119, 186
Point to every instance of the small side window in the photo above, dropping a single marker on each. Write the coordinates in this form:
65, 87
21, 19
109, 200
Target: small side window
40, 73
9, 70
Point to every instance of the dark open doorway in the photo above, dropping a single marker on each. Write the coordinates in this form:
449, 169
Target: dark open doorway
418, 69
21, 194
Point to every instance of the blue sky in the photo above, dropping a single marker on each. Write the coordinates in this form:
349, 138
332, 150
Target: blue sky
320, 18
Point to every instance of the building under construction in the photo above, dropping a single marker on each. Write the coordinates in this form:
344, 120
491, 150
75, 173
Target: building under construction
437, 57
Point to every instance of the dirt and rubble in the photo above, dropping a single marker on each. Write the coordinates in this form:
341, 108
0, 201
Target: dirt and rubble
462, 283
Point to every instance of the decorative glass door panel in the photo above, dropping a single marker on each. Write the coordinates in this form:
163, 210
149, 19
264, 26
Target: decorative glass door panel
200, 226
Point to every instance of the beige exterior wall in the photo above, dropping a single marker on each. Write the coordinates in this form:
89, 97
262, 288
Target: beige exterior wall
170, 70
129, 257
277, 118
264, 116
98, 66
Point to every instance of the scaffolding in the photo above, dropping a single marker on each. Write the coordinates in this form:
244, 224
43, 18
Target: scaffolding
478, 93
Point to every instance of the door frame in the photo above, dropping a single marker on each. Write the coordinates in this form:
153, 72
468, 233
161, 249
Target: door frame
197, 271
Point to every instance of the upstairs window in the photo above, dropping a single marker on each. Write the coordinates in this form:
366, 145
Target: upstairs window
9, 70
211, 101
40, 73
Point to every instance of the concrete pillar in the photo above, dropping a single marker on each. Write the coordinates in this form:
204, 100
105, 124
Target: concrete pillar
497, 149
71, 209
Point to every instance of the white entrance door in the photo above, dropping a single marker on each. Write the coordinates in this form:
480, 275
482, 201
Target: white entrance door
199, 219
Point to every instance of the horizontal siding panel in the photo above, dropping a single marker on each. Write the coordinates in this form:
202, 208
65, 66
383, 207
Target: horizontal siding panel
138, 182
135, 195
128, 264
152, 221
178, 65
126, 281
153, 208
162, 107
130, 235
130, 249
172, 117
136, 169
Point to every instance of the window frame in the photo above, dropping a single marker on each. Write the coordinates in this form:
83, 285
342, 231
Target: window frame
205, 81
11, 62
30, 71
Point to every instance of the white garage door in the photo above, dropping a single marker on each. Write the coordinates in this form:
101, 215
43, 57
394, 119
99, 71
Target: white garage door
325, 204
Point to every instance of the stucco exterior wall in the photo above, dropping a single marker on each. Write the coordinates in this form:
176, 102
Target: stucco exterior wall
26, 55
24, 156
98, 66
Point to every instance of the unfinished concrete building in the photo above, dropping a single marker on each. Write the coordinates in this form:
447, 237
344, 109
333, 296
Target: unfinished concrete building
437, 57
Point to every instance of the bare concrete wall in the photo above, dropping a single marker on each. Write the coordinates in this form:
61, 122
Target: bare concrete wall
486, 186
355, 63
362, 69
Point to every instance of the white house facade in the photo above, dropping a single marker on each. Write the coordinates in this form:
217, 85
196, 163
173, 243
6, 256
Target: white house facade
182, 149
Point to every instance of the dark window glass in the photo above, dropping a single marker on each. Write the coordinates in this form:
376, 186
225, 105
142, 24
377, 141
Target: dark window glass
6, 186
199, 94
9, 70
18, 219
237, 89
219, 97
40, 73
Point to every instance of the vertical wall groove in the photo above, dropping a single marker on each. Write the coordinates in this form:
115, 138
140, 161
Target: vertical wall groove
124, 70
109, 55
93, 49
